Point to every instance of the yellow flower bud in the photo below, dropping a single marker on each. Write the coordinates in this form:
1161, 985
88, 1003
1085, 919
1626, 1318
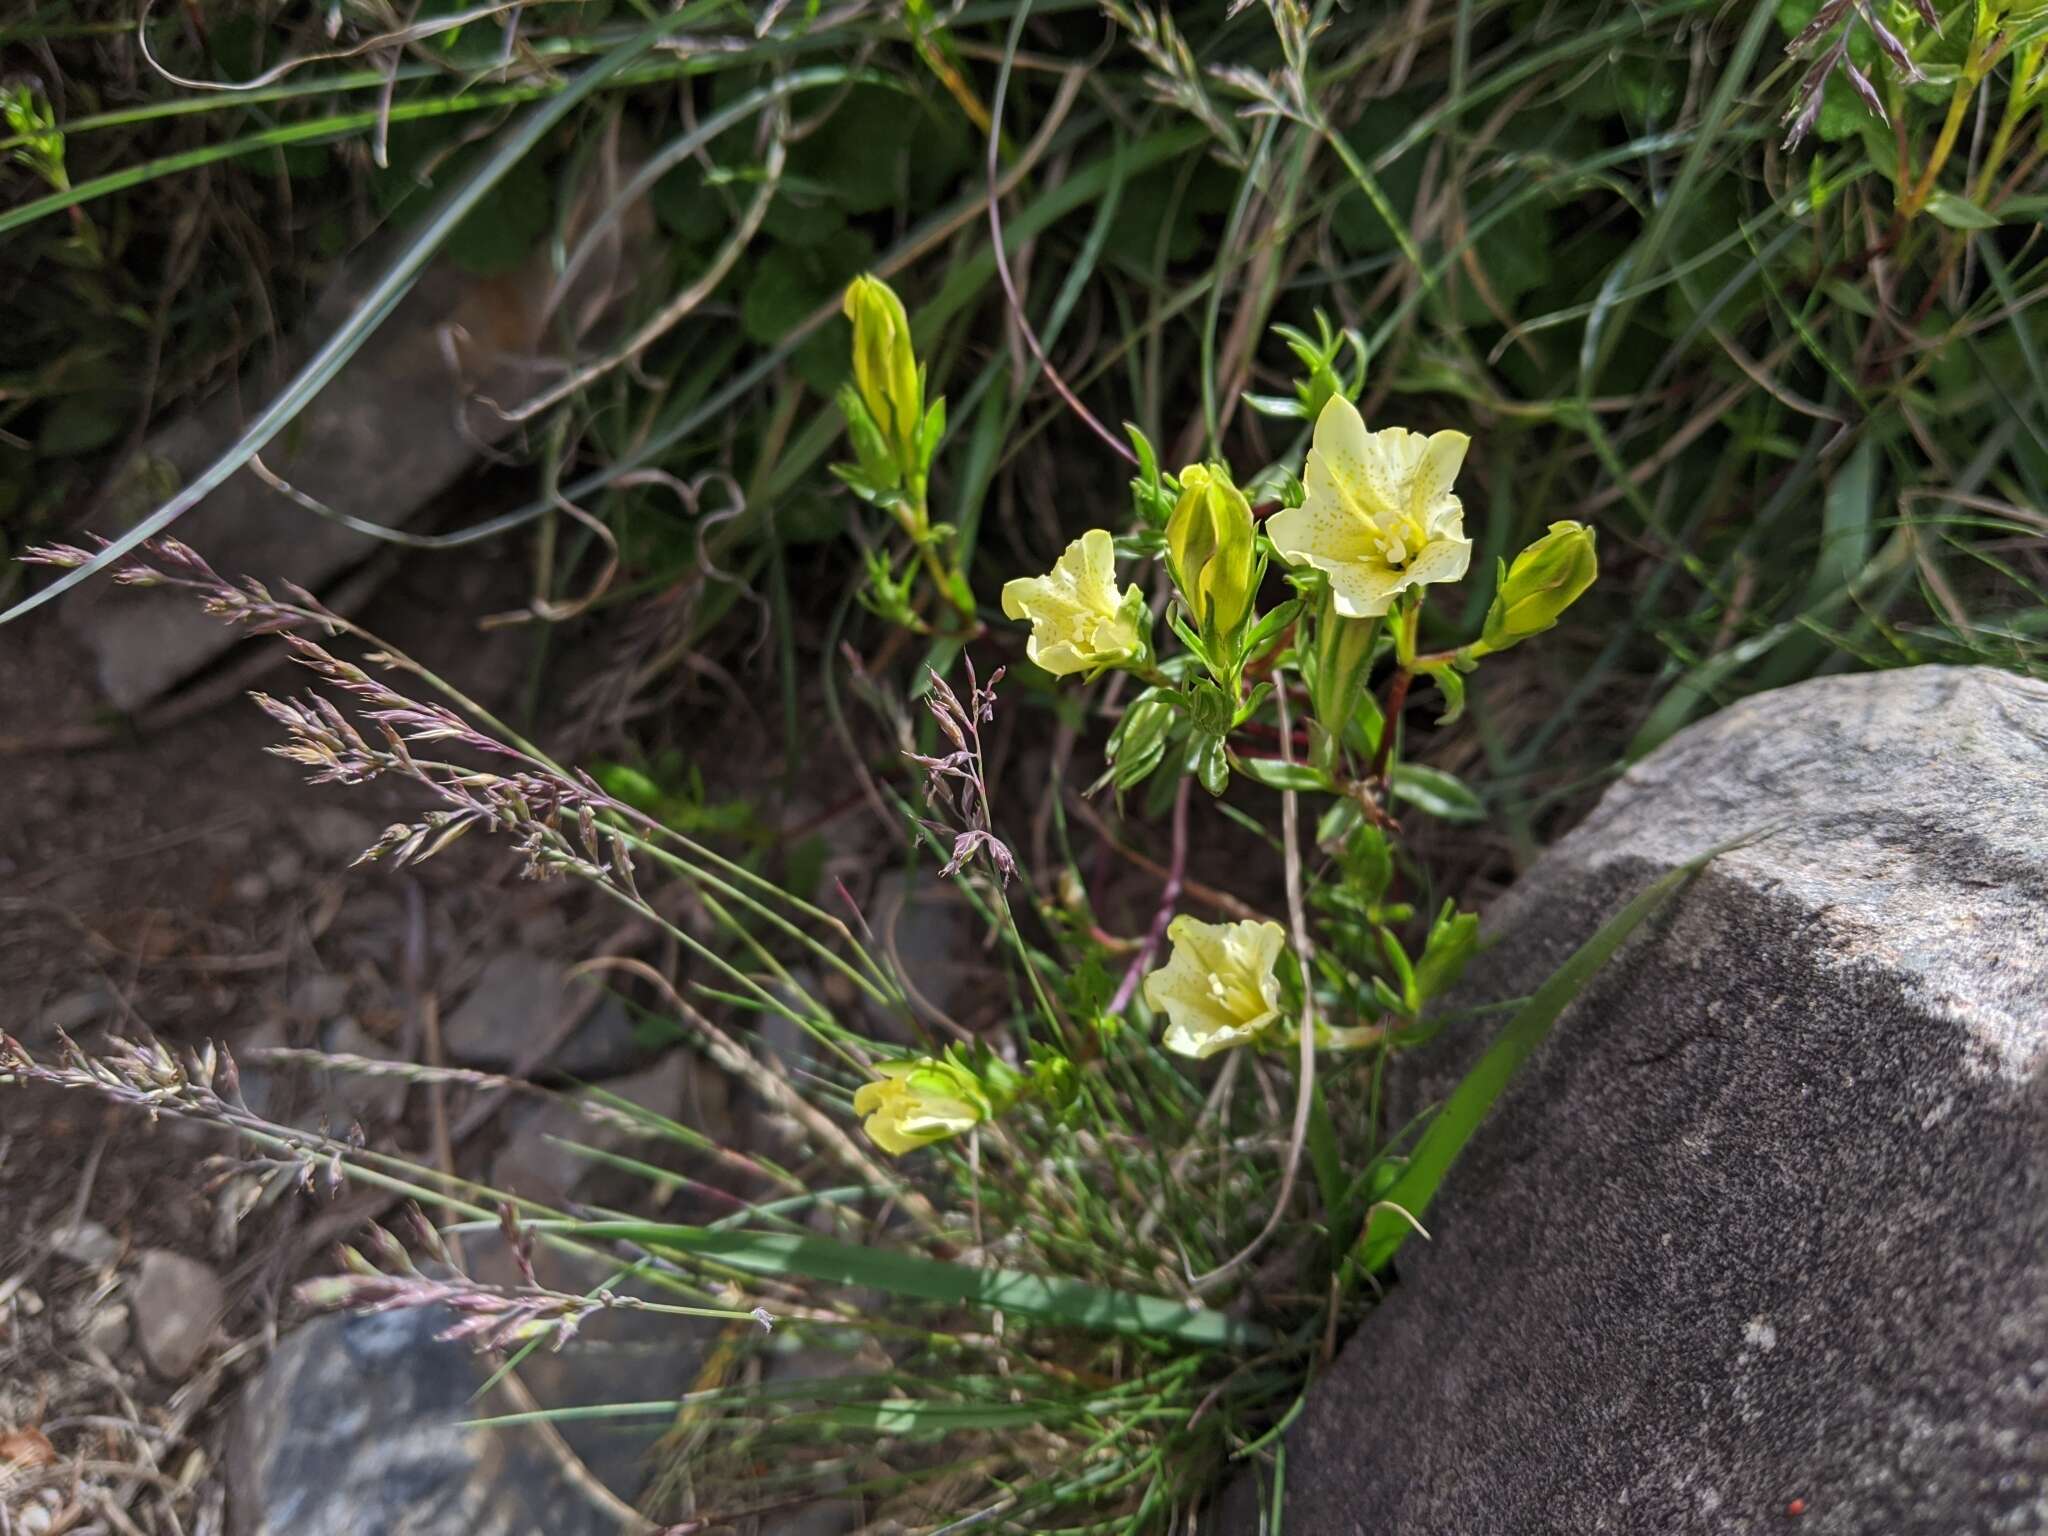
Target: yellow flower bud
1218, 988
885, 368
1079, 620
1545, 579
1210, 542
919, 1102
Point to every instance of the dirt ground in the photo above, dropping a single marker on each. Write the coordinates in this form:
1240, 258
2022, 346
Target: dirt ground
185, 884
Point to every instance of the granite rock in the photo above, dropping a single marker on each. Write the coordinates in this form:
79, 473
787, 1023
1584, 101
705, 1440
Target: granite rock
357, 1425
388, 433
1759, 1239
519, 1000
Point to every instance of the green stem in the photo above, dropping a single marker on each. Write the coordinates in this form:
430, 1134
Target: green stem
2025, 80
1951, 126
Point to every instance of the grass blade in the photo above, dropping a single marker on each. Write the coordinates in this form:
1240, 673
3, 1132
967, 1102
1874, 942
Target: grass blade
1037, 1296
1386, 1229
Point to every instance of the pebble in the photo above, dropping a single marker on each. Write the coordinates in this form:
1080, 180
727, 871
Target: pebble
176, 1302
108, 1330
86, 1243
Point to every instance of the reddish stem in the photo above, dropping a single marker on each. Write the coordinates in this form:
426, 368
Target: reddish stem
1390, 718
1169, 895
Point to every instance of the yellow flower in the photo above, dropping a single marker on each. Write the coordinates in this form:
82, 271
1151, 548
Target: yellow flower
1380, 517
1218, 988
1079, 621
919, 1102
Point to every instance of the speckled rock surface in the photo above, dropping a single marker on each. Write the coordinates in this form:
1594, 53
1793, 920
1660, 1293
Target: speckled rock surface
356, 1428
1759, 1240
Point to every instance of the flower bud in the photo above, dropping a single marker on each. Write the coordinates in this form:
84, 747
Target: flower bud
1138, 744
885, 367
1545, 579
1210, 541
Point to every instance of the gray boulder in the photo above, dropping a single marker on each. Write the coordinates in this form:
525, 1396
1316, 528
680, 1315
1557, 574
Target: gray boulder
1758, 1241
362, 1425
392, 430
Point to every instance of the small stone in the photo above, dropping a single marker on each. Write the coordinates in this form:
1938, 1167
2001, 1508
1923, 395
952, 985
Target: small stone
177, 1301
336, 835
387, 433
534, 1163
108, 1330
518, 1001
86, 1243
263, 1086
74, 1010
927, 934
366, 1095
360, 1424
250, 887
319, 997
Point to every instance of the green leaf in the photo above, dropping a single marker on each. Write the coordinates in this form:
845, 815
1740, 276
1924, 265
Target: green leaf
1452, 682
1274, 774
1020, 1295
1386, 1229
1958, 212
1845, 525
503, 229
1435, 791
81, 423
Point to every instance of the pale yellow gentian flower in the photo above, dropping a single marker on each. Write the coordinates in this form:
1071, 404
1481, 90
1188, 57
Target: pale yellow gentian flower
1379, 517
1079, 620
919, 1102
1218, 988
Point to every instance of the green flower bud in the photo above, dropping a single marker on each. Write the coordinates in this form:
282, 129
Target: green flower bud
1453, 940
1138, 744
1343, 664
885, 369
1212, 547
1545, 579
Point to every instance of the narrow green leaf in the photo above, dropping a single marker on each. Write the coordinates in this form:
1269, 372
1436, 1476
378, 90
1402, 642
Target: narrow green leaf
1435, 791
1958, 212
1275, 774
1845, 526
1037, 1296
1386, 1229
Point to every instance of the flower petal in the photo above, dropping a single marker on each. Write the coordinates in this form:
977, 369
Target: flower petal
1442, 457
1020, 594
1441, 560
1341, 443
1363, 590
1326, 529
1094, 557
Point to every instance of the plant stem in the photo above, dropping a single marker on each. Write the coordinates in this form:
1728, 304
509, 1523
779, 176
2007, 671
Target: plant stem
2026, 73
1951, 126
